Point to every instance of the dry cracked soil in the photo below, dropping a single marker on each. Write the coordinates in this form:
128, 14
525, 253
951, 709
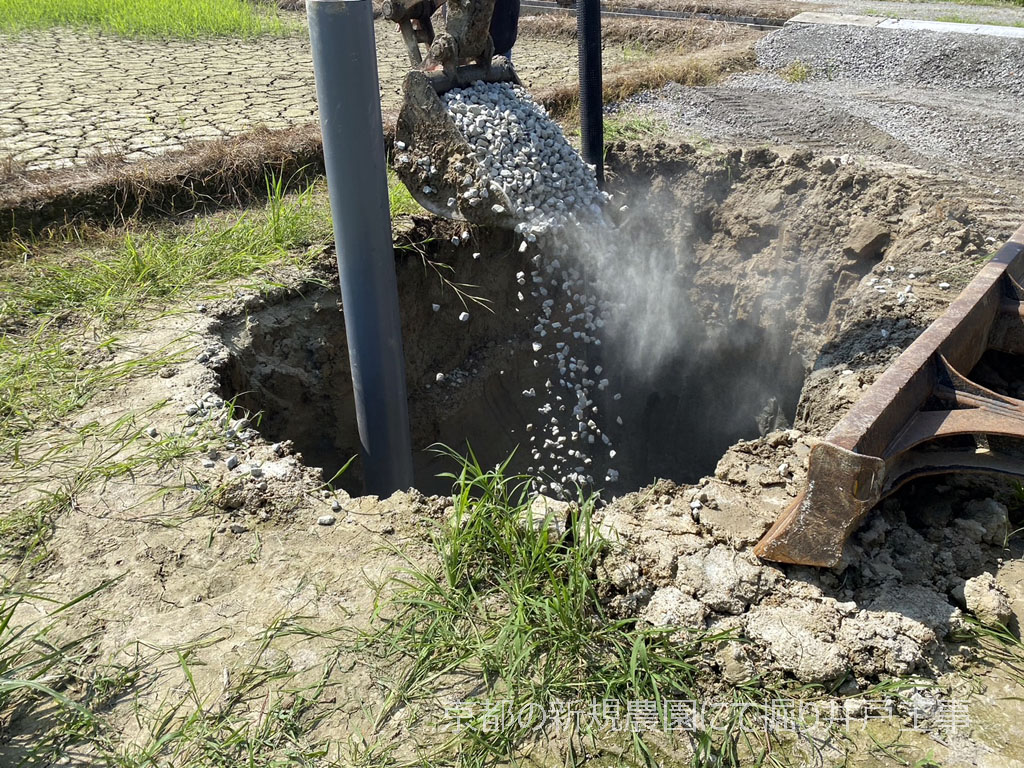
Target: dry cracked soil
142, 98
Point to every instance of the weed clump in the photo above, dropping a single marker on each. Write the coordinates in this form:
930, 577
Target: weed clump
632, 128
513, 603
796, 72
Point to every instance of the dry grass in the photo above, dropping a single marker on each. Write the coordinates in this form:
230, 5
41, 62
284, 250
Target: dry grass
203, 176
774, 10
703, 67
669, 34
796, 71
11, 168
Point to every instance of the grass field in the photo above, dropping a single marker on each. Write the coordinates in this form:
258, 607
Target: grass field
56, 291
147, 18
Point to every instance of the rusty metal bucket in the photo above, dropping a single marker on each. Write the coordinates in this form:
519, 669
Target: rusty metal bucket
431, 156
901, 428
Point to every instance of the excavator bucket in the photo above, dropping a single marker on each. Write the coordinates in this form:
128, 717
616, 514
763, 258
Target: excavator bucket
433, 158
923, 416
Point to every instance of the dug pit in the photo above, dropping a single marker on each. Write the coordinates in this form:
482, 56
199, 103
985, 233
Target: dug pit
289, 362
747, 262
789, 282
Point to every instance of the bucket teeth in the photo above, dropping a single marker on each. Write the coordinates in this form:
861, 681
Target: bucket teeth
899, 429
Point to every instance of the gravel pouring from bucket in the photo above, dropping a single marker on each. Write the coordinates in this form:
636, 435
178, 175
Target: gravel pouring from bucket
434, 160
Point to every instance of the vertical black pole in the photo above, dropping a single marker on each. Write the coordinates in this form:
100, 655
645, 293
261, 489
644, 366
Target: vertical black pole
348, 96
588, 32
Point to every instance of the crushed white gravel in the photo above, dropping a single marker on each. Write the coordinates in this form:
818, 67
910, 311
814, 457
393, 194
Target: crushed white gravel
523, 150
519, 147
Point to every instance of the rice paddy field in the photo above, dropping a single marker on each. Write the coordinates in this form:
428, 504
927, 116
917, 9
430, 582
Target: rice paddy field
147, 18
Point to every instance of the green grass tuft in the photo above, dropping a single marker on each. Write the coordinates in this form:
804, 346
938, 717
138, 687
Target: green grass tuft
40, 672
401, 200
796, 72
50, 366
62, 308
147, 18
514, 605
632, 128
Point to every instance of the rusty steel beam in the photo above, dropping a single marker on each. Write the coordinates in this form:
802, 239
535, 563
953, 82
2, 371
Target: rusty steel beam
897, 431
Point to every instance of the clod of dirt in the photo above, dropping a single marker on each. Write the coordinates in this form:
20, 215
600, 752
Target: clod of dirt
987, 600
886, 610
990, 519
670, 606
733, 662
867, 238
800, 637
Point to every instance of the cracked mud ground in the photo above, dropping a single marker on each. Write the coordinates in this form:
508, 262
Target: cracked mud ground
69, 97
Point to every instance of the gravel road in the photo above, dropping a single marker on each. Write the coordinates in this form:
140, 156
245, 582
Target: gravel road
906, 58
939, 102
935, 11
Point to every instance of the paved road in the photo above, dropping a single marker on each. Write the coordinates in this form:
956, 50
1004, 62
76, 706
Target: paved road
997, 13
66, 97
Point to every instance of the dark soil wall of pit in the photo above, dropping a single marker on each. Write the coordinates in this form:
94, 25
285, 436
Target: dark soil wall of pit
290, 360
792, 243
718, 390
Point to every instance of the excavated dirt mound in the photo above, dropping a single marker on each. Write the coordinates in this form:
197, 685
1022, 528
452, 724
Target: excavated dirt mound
843, 267
685, 559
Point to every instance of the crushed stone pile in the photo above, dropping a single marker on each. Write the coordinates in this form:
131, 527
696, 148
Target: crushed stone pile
524, 151
932, 100
909, 58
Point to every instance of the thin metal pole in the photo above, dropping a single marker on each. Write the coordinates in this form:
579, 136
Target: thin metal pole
588, 34
347, 89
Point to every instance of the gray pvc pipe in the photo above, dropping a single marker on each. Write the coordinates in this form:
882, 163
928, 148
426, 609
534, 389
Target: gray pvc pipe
345, 65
